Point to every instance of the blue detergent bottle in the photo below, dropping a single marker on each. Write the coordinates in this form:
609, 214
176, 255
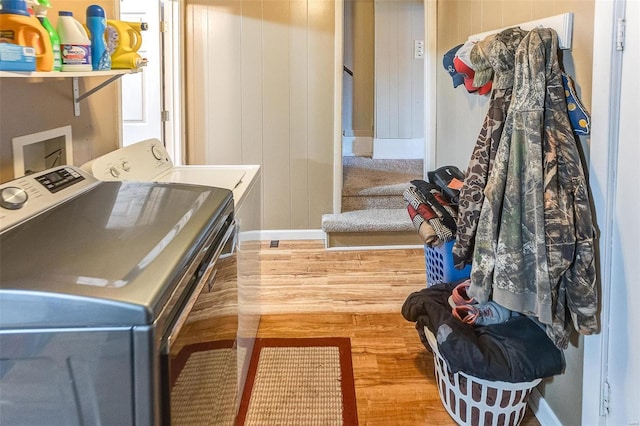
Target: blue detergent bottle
97, 24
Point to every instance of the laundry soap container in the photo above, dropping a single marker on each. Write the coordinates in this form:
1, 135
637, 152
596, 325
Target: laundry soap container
97, 24
20, 28
123, 41
75, 46
40, 9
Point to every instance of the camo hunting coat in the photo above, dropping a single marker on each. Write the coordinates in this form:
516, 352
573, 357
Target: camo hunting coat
534, 247
496, 53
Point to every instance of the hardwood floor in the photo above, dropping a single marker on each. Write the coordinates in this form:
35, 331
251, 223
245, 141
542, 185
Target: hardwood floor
306, 291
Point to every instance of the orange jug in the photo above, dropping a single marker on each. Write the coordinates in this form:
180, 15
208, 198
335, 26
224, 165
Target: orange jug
18, 27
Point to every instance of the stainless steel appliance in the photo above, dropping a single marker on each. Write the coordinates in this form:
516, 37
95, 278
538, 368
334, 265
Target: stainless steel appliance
96, 280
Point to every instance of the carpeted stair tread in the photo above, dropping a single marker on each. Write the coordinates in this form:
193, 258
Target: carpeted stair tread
373, 191
370, 220
376, 202
366, 176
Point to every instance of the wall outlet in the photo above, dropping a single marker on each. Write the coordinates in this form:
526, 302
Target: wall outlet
418, 49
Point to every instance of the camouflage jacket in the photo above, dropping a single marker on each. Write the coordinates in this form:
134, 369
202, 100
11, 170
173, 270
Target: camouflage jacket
495, 55
534, 247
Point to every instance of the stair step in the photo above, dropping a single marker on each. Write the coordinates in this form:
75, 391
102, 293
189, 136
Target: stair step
376, 202
375, 191
369, 220
371, 227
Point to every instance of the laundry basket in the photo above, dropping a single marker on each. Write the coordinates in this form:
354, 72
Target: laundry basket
439, 263
473, 401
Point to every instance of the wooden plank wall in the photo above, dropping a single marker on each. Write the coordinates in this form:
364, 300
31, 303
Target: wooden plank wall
460, 114
259, 76
358, 90
399, 77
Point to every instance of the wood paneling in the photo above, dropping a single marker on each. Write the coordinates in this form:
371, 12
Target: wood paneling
276, 172
460, 114
260, 91
399, 77
359, 57
252, 99
299, 102
321, 31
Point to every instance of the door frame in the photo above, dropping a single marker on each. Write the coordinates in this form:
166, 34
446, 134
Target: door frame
607, 75
430, 64
172, 40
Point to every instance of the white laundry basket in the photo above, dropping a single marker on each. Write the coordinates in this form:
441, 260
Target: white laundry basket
473, 401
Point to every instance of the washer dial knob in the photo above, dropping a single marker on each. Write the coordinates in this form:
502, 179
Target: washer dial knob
157, 154
13, 198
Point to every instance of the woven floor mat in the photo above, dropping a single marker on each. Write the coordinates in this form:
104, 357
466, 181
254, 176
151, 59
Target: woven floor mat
299, 382
205, 392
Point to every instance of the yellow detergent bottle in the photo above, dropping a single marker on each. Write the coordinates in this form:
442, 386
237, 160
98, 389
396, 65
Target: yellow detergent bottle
18, 27
123, 41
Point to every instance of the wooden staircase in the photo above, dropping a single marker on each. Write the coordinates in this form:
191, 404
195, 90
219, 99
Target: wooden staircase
374, 213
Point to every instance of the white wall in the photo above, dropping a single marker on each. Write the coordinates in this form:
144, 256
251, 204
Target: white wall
399, 76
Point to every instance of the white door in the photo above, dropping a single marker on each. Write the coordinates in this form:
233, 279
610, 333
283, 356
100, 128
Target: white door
142, 92
624, 325
611, 373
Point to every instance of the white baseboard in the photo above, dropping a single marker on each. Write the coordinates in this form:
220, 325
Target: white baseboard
357, 146
541, 410
398, 149
283, 234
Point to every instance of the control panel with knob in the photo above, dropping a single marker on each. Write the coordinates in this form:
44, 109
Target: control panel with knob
30, 195
13, 198
137, 162
157, 152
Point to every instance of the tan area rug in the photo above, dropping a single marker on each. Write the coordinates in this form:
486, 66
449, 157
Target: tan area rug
205, 391
299, 382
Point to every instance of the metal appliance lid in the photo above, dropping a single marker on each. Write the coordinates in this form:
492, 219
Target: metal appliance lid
107, 257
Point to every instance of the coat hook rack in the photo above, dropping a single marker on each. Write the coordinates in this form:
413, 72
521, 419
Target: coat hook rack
563, 24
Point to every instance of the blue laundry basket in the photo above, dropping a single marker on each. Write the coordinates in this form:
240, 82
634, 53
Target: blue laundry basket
439, 262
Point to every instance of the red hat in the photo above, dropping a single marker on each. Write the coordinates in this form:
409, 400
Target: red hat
468, 74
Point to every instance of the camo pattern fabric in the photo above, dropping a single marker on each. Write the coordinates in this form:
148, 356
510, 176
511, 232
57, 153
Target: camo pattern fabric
472, 191
534, 244
498, 54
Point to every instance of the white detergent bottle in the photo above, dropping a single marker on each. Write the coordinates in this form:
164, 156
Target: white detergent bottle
75, 46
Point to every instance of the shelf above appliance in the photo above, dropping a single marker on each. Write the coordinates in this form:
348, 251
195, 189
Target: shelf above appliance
112, 75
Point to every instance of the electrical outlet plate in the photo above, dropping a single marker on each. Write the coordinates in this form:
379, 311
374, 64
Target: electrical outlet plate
418, 49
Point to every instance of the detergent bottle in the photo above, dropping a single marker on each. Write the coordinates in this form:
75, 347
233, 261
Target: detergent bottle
40, 9
97, 24
75, 46
123, 41
18, 27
